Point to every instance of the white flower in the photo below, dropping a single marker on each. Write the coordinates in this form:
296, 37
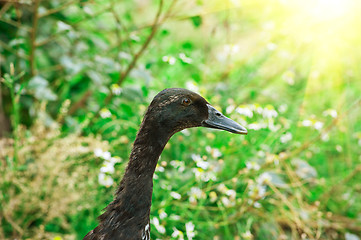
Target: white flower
190, 230
106, 155
216, 153
325, 137
196, 157
257, 191
185, 59
208, 149
159, 168
169, 59
306, 123
261, 154
105, 113
203, 164
200, 174
312, 123
192, 86
115, 160
264, 178
174, 217
257, 108
177, 233
282, 108
257, 205
175, 195
178, 164
230, 109
162, 214
339, 148
227, 202
231, 193
272, 158
286, 137
107, 168
272, 126
194, 194
255, 126
231, 48
116, 89
318, 125
330, 112
247, 235
269, 112
245, 111
160, 228
105, 179
200, 162
253, 165
222, 188
98, 152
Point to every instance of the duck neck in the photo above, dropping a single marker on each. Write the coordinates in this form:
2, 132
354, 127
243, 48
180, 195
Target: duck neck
147, 148
131, 206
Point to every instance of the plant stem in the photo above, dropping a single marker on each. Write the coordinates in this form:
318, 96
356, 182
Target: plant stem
10, 80
15, 122
33, 38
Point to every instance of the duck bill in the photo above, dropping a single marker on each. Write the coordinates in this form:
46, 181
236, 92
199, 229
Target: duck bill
219, 121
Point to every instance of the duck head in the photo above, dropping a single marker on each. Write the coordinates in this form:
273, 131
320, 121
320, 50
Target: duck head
175, 109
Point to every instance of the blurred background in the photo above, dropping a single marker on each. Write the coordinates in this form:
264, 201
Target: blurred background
78, 75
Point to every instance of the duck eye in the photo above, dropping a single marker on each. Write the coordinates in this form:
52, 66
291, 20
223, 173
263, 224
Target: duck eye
186, 101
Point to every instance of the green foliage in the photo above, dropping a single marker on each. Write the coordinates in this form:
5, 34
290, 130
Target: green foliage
77, 77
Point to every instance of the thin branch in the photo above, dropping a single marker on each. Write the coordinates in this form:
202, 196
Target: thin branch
52, 68
13, 223
132, 64
325, 196
124, 74
325, 130
92, 16
79, 103
5, 8
58, 9
49, 39
10, 49
145, 45
15, 1
15, 24
117, 26
33, 38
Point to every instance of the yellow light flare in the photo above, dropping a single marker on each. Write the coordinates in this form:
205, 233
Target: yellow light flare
328, 31
325, 10
316, 37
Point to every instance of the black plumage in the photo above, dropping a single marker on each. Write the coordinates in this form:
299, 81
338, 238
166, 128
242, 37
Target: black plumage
171, 111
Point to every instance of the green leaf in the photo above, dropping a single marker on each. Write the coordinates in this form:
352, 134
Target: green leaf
187, 45
197, 21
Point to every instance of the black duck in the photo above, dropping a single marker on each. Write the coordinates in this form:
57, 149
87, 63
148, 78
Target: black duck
171, 111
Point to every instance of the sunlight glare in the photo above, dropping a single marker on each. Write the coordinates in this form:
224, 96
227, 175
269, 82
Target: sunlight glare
324, 10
